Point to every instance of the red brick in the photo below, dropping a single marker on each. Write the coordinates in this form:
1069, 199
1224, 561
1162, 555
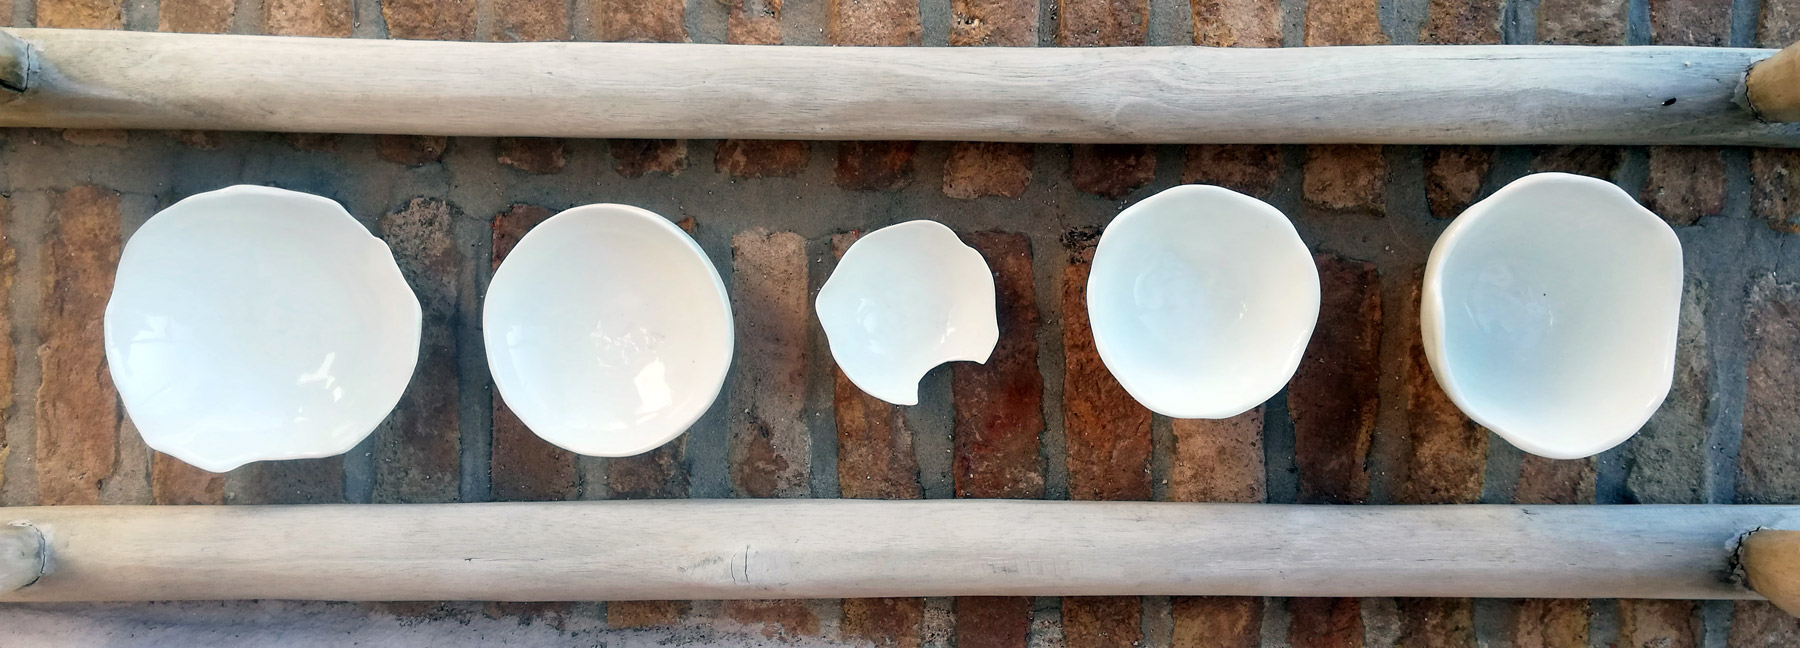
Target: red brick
1436, 623
1779, 24
770, 443
530, 20
1003, 23
1775, 188
636, 158
1461, 22
1236, 23
622, 615
1346, 178
1333, 397
1453, 176
754, 22
1325, 623
1102, 23
418, 449
1704, 23
1102, 621
81, 14
780, 618
1108, 432
1769, 453
1657, 624
1343, 22
872, 22
1111, 171
522, 465
301, 481
1685, 183
539, 155
992, 621
307, 18
175, 482
658, 474
977, 169
1553, 481
999, 404
1218, 460
1216, 621
411, 150
430, 19
1446, 452
1759, 624
640, 21
1245, 168
1581, 22
1595, 161
77, 408
762, 158
1551, 623
875, 166
895, 622
875, 445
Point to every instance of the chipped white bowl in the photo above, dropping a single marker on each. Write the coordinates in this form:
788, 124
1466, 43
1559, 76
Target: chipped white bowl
608, 330
253, 323
1549, 314
904, 299
1202, 300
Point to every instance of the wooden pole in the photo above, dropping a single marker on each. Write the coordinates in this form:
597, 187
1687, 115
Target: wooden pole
1773, 86
22, 557
1383, 95
698, 549
15, 66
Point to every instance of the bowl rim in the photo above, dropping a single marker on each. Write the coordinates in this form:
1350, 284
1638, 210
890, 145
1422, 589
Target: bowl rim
659, 224
1289, 237
1432, 319
389, 279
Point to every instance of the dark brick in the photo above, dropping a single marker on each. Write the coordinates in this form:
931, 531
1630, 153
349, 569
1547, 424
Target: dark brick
540, 155
781, 618
977, 169
1461, 22
430, 19
875, 445
636, 158
1346, 178
1108, 432
1333, 397
1551, 623
314, 142
1581, 22
992, 621
1779, 24
762, 158
1775, 188
1218, 460
770, 443
307, 18
1759, 624
9, 265
1102, 621
1216, 621
1553, 481
411, 150
1325, 623
1453, 176
999, 404
621, 615
1769, 454
523, 466
657, 474
1666, 462
1594, 161
885, 622
1446, 452
175, 482
1102, 23
1343, 22
418, 448
1111, 171
872, 22
196, 16
1436, 623
1685, 183
111, 137
299, 481
1657, 624
201, 140
81, 14
875, 166
77, 408
641, 21
1245, 168
1703, 23
1004, 23
1236, 23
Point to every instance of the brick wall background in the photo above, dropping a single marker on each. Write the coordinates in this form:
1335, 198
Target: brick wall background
1362, 421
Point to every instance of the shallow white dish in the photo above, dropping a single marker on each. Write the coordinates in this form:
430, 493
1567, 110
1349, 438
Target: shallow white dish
1549, 314
906, 298
253, 323
608, 330
1202, 300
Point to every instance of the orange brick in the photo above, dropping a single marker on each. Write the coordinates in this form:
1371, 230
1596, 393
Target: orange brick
978, 169
1236, 23
1108, 432
622, 615
1461, 22
770, 443
754, 22
530, 20
1333, 397
895, 622
640, 21
780, 618
174, 482
81, 14
196, 16
1005, 23
1216, 621
1551, 623
77, 408
872, 22
430, 19
1102, 23
307, 18
1343, 22
1658, 624
1102, 621
999, 404
1346, 178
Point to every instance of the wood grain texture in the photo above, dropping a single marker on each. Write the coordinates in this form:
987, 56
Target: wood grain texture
1397, 95
860, 548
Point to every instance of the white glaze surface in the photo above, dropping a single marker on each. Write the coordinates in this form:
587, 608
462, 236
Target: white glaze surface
1550, 312
906, 298
254, 323
608, 330
1202, 300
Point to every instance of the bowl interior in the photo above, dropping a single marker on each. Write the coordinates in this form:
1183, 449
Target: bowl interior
1559, 304
608, 330
254, 323
1202, 301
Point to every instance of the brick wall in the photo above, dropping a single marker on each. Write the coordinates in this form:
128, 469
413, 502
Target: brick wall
1362, 421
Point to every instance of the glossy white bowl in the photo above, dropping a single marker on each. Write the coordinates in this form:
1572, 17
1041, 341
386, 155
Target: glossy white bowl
906, 298
253, 323
1549, 314
1202, 300
608, 330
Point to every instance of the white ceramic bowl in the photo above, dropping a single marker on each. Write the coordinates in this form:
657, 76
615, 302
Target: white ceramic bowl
608, 330
1550, 312
1202, 300
906, 298
253, 323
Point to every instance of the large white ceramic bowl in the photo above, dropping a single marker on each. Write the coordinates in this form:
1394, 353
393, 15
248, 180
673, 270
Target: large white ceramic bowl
253, 323
1549, 314
906, 298
608, 330
1202, 300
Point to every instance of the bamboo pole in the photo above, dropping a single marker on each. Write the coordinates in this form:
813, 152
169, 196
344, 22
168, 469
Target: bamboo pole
698, 549
1773, 86
1382, 95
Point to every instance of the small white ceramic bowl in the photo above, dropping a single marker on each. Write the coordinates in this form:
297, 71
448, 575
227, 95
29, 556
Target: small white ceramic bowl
906, 298
608, 330
253, 323
1202, 300
1549, 314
